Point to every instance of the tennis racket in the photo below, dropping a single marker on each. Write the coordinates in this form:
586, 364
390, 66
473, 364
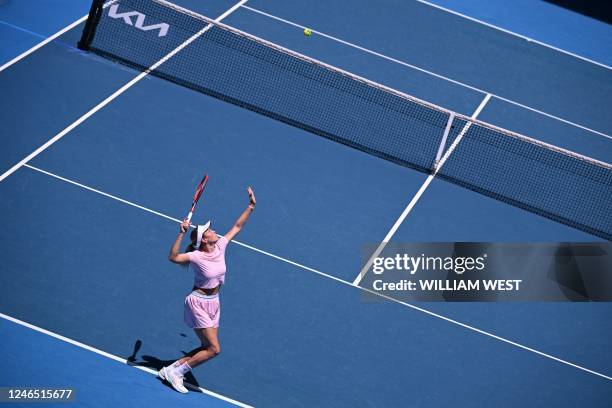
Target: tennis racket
196, 196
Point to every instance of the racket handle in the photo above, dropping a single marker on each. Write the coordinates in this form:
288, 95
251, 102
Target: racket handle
189, 216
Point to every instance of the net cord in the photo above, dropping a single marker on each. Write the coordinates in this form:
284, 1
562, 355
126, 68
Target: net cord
384, 88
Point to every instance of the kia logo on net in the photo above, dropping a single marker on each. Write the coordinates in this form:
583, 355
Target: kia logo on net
140, 18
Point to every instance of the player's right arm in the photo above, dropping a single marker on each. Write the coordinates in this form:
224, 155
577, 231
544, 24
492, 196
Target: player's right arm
174, 255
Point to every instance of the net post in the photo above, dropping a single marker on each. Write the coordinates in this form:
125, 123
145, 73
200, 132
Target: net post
90, 26
449, 124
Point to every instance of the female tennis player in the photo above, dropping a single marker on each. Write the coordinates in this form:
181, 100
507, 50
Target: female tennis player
202, 307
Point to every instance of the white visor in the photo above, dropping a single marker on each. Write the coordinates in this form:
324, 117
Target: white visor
200, 231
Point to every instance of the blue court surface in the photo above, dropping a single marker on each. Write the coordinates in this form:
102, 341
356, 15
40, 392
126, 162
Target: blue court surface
96, 175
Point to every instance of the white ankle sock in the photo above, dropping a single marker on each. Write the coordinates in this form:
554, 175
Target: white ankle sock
182, 369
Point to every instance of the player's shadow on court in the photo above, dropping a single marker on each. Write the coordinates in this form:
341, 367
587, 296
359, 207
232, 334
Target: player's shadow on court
157, 364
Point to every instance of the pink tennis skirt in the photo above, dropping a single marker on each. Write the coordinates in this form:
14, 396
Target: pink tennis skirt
202, 311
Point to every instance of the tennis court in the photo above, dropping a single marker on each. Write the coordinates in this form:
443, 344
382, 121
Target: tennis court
99, 160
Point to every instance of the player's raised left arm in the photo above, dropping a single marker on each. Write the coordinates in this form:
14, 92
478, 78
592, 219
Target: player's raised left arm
239, 224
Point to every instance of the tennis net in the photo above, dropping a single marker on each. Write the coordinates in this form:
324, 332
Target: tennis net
211, 57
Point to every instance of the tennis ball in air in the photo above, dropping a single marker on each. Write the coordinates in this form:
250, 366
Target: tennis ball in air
307, 32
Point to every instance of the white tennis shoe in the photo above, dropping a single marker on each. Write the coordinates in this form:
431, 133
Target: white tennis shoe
176, 380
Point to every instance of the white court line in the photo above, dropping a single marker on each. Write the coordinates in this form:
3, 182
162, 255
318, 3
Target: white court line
449, 320
101, 192
116, 358
42, 43
400, 62
140, 207
418, 195
117, 93
48, 40
543, 44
